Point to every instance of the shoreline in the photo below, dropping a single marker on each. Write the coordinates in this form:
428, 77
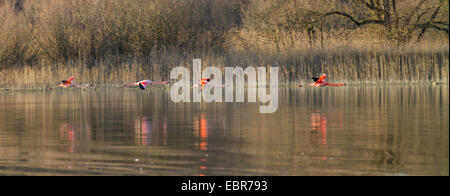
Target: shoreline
281, 85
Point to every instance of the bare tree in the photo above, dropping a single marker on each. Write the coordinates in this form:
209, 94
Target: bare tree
399, 25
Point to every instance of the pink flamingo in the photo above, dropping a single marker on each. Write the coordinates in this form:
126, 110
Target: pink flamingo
320, 82
68, 84
144, 83
206, 82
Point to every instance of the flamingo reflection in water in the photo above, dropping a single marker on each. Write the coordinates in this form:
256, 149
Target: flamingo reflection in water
320, 123
142, 129
69, 134
149, 134
201, 130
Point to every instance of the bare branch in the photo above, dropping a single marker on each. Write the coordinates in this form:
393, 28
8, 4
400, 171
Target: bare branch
408, 19
371, 5
356, 22
429, 25
394, 6
423, 14
440, 22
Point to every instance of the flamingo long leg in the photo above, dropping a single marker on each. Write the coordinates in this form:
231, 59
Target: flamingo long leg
163, 82
215, 85
339, 84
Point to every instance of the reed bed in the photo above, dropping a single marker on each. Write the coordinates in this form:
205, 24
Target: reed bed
350, 66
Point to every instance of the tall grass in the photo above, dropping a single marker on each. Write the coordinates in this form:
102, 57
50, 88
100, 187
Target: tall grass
343, 65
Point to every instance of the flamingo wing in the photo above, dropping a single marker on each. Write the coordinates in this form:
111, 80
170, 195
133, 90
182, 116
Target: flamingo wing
142, 86
322, 78
144, 83
70, 79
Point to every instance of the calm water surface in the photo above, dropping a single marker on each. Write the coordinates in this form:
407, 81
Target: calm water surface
393, 130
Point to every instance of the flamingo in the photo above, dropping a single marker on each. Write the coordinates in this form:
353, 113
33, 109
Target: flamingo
69, 84
144, 83
205, 82
320, 82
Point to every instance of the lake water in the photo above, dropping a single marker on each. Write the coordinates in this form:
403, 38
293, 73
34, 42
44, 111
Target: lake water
375, 130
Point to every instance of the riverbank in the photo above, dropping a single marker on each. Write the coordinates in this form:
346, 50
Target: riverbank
348, 65
43, 87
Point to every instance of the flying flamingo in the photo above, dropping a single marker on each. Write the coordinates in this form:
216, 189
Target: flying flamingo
205, 82
69, 84
320, 82
144, 83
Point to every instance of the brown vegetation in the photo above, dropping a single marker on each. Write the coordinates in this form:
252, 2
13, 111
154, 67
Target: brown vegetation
127, 40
